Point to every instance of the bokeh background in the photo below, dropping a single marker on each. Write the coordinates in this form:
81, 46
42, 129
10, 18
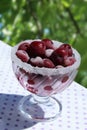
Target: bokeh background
62, 20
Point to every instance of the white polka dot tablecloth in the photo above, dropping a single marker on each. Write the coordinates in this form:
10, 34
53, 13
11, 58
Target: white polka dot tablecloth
73, 99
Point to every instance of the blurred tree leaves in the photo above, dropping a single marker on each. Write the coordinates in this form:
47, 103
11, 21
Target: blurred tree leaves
63, 20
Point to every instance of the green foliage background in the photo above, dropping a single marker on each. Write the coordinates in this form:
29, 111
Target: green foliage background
62, 20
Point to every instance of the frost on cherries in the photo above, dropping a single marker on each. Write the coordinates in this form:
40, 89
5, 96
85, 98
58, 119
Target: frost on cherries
43, 53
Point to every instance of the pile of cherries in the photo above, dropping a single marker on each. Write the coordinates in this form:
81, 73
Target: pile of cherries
44, 54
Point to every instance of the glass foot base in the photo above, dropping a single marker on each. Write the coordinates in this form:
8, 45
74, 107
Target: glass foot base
40, 108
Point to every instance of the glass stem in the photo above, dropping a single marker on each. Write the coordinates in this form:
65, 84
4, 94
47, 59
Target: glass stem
39, 99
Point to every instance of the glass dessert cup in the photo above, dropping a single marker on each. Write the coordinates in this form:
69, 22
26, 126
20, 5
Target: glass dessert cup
42, 83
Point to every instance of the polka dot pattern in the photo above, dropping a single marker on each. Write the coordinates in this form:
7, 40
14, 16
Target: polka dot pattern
73, 99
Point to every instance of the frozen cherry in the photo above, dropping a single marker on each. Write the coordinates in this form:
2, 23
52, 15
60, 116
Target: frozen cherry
37, 61
48, 63
69, 61
21, 54
24, 46
37, 48
48, 43
48, 52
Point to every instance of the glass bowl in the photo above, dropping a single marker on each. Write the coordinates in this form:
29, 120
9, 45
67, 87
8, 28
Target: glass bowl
42, 84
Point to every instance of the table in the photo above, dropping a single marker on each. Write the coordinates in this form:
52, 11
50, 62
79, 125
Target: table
73, 99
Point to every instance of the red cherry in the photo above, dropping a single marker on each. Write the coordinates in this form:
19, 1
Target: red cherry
37, 48
57, 59
21, 54
48, 43
24, 46
49, 88
48, 63
65, 78
30, 81
61, 52
32, 90
65, 50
